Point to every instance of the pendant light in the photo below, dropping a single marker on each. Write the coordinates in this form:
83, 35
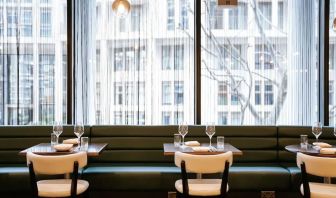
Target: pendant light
121, 8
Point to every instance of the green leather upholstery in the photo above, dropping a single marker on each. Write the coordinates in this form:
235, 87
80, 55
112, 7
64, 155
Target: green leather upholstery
134, 158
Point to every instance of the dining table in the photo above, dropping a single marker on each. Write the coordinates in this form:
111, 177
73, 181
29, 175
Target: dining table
310, 150
93, 150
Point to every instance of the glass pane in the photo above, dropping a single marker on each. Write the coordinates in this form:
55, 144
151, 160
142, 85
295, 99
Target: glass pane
144, 69
32, 68
257, 66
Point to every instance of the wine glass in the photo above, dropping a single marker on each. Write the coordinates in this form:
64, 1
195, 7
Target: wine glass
335, 130
183, 130
317, 129
79, 130
57, 129
210, 131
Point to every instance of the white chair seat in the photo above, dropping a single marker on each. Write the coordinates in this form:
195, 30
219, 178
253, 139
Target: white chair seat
201, 187
321, 190
59, 187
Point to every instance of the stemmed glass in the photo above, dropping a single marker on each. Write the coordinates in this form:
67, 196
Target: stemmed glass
317, 130
183, 130
210, 131
57, 129
79, 130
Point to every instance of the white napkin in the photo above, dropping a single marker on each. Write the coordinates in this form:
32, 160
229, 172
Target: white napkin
201, 148
192, 143
328, 150
63, 147
71, 141
322, 144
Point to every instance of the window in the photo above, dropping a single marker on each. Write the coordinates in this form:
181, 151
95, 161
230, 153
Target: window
232, 57
179, 57
234, 98
166, 118
269, 96
217, 16
45, 22
263, 57
184, 23
118, 117
178, 93
166, 58
135, 18
238, 17
265, 14
257, 92
166, 93
222, 118
222, 93
12, 21
178, 117
235, 118
281, 15
118, 59
118, 94
170, 15
27, 22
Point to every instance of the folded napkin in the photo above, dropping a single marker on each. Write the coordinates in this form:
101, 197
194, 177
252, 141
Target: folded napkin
192, 143
322, 144
71, 141
328, 150
63, 147
201, 148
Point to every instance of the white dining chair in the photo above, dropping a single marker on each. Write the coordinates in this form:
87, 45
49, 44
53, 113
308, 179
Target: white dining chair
55, 165
318, 166
203, 164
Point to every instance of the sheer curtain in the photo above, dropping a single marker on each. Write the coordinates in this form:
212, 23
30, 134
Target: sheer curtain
142, 65
32, 61
259, 62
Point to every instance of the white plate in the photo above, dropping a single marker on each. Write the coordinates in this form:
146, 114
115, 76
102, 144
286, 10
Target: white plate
63, 147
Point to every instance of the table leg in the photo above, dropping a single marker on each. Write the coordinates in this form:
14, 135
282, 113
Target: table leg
199, 175
327, 180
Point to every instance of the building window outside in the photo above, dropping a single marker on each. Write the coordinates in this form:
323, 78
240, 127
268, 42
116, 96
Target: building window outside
263, 57
12, 20
178, 117
269, 95
184, 23
27, 22
166, 118
166, 58
118, 59
281, 15
222, 118
166, 93
178, 93
118, 117
257, 92
235, 118
266, 14
178, 57
170, 15
238, 17
222, 93
45, 22
135, 18
234, 98
118, 93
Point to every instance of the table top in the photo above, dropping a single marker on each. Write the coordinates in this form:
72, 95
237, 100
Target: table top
170, 149
295, 148
93, 150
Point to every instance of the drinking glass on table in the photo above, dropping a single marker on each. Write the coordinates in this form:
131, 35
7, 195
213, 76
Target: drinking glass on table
304, 141
317, 130
57, 130
79, 130
210, 131
183, 130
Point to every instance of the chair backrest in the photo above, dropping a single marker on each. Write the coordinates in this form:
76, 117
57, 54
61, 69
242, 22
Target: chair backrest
319, 166
56, 164
203, 163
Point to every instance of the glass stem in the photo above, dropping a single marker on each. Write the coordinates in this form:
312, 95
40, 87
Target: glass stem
182, 140
210, 141
57, 139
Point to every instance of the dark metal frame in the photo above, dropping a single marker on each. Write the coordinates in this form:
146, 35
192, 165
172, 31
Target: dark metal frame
74, 179
305, 183
185, 186
323, 71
